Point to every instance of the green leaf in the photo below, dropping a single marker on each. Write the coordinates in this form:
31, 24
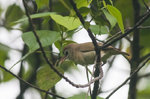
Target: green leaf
33, 16
69, 22
47, 78
144, 93
84, 11
86, 25
116, 13
127, 14
82, 3
3, 56
112, 20
42, 3
13, 13
96, 29
61, 44
3, 53
46, 37
7, 76
104, 3
1, 10
68, 64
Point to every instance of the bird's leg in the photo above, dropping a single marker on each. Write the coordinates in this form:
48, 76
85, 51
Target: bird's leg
101, 70
87, 70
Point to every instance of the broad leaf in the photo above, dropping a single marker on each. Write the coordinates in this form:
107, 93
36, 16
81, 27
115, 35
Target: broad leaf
69, 22
96, 29
67, 65
127, 14
46, 37
84, 11
112, 20
47, 78
3, 56
62, 44
33, 16
13, 13
82, 3
3, 53
116, 13
42, 3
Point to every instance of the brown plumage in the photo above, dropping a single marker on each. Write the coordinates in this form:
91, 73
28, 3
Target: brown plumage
84, 53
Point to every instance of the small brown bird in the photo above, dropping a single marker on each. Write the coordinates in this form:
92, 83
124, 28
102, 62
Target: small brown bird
84, 53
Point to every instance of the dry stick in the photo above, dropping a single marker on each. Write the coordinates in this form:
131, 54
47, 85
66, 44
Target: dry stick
132, 75
45, 57
29, 83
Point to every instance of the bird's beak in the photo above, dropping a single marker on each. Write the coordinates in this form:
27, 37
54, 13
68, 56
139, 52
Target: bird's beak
63, 59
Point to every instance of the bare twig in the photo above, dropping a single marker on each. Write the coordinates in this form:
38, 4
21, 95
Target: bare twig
29, 83
132, 75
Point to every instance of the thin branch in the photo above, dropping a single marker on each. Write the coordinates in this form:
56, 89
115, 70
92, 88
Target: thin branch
83, 23
98, 70
144, 75
45, 57
116, 35
146, 5
131, 76
142, 20
144, 57
87, 75
29, 83
143, 27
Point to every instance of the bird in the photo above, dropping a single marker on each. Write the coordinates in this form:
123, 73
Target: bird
84, 53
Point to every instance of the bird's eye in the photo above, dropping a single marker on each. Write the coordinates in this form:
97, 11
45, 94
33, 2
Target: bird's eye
66, 53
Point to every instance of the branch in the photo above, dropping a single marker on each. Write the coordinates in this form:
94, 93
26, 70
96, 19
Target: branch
146, 5
29, 83
131, 76
144, 57
83, 23
46, 59
128, 31
144, 75
98, 68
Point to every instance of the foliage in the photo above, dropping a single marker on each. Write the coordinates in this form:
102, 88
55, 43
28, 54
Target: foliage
46, 37
55, 24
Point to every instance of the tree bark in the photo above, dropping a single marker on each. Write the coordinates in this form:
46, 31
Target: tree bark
135, 52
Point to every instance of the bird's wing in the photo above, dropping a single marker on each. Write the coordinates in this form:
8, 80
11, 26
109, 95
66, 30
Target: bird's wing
85, 47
